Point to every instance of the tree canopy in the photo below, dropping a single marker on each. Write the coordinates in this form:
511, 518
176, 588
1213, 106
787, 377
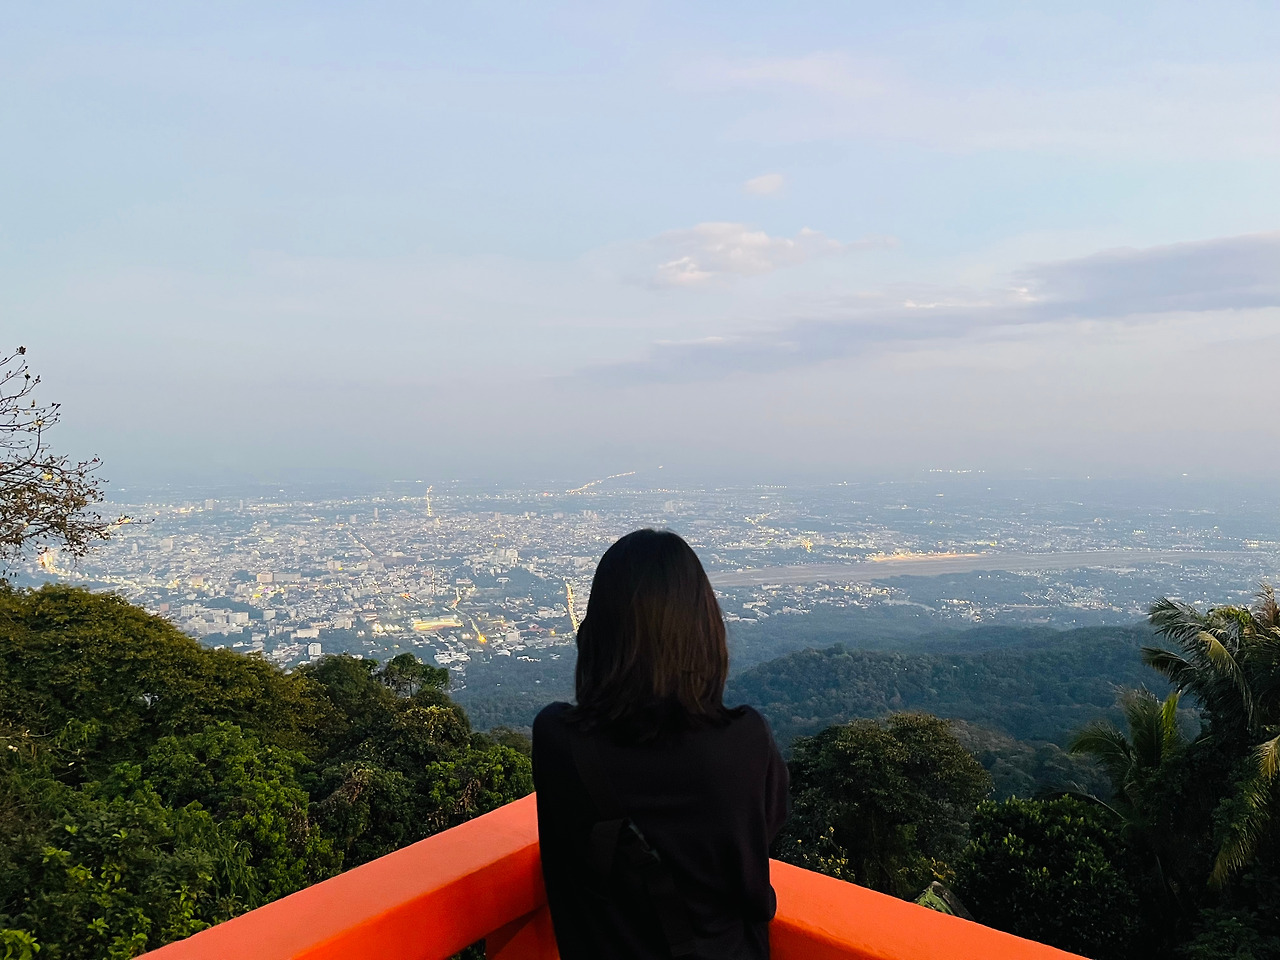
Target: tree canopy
1183, 858
1056, 871
1027, 684
150, 787
1228, 658
876, 802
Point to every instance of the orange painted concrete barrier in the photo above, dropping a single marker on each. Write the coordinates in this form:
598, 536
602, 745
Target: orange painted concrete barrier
482, 880
824, 919
424, 902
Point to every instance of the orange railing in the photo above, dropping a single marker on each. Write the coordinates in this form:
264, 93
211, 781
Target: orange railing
482, 881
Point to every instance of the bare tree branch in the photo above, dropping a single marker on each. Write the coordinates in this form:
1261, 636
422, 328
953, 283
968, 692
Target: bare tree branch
47, 500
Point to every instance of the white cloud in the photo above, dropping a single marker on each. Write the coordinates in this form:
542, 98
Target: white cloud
711, 250
1208, 278
766, 184
1226, 273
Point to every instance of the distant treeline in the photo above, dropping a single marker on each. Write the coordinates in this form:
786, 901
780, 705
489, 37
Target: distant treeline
1178, 857
1029, 683
1017, 693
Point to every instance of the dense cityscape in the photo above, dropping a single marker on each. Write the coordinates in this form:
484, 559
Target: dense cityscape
457, 574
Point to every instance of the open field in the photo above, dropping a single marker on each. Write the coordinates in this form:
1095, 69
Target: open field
931, 565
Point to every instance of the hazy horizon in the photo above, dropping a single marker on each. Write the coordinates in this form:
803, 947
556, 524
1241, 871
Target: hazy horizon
313, 243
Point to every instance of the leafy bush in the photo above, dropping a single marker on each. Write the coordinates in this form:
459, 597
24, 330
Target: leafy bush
150, 787
878, 803
1057, 871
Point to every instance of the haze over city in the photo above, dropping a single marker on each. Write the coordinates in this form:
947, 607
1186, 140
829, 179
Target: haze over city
837, 241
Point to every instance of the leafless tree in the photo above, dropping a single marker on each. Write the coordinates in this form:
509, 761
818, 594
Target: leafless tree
46, 500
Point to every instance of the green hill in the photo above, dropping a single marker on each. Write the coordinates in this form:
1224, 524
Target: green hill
150, 787
1029, 683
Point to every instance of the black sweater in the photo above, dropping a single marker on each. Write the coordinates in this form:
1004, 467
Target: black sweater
709, 798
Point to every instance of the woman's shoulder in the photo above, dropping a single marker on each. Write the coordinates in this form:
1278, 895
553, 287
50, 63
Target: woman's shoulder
751, 721
551, 721
745, 713
551, 733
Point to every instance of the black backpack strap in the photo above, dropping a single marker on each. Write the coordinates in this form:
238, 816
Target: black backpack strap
617, 834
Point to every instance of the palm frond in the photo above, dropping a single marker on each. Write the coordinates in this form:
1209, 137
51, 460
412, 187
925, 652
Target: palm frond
1253, 799
1268, 755
1176, 620
1171, 734
1225, 662
1266, 647
1267, 611
1101, 740
1172, 666
1109, 747
1142, 711
1232, 626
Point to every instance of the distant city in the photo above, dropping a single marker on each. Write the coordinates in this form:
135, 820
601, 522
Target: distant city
458, 574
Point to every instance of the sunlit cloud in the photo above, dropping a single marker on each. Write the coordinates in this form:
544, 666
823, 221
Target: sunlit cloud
712, 250
765, 185
1226, 274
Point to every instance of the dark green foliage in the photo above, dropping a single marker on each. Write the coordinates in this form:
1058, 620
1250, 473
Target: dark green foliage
150, 787
406, 675
877, 803
1057, 871
1179, 857
509, 691
71, 657
105, 868
1161, 798
1155, 737
1026, 769
1032, 685
1089, 662
1228, 658
519, 740
252, 791
1231, 935
1188, 845
1242, 921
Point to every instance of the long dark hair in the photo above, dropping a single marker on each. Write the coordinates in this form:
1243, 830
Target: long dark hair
651, 649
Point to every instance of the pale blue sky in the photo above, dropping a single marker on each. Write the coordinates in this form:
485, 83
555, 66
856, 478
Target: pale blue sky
529, 240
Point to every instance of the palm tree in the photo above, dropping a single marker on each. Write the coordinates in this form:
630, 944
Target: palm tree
1228, 658
1153, 737
1130, 763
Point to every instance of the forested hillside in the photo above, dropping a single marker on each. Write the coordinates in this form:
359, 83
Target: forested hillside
1179, 858
150, 787
1031, 684
510, 691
